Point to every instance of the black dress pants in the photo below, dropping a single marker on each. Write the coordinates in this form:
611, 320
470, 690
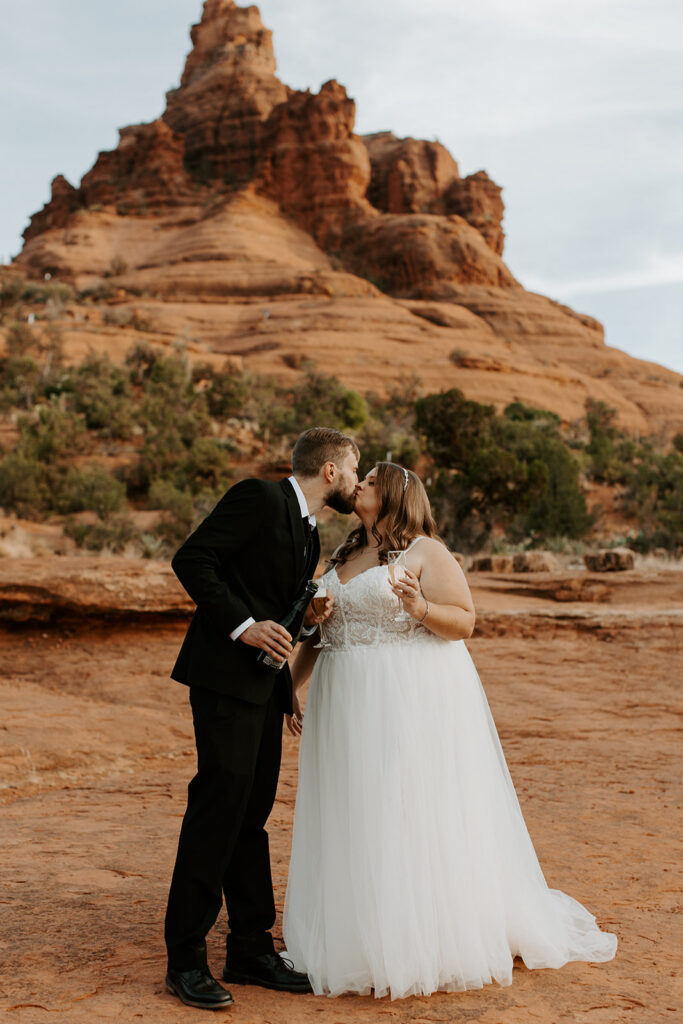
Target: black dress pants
223, 845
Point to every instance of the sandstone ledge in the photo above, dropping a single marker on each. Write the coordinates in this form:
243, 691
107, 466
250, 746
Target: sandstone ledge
45, 589
90, 589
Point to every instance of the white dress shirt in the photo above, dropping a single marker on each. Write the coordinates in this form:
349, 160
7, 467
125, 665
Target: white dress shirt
305, 514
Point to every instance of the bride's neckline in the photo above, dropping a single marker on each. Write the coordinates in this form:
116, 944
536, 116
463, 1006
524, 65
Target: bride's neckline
352, 578
371, 567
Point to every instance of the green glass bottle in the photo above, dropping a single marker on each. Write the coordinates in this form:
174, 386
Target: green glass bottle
293, 623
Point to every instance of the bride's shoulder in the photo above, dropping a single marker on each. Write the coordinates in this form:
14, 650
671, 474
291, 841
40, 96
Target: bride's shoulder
423, 545
433, 551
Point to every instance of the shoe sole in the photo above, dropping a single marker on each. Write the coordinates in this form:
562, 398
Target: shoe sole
250, 979
199, 1006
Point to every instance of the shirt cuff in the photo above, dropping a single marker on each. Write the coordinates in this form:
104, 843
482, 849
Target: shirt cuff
308, 631
237, 633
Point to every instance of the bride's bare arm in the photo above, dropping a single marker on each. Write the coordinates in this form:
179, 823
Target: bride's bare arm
306, 657
439, 588
301, 670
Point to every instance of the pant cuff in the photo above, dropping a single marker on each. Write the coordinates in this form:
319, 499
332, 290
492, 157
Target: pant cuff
249, 945
188, 958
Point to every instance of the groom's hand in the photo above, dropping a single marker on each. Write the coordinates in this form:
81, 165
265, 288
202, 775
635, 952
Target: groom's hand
270, 637
295, 721
311, 619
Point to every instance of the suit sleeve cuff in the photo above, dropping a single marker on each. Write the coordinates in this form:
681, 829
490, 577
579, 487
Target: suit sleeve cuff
237, 633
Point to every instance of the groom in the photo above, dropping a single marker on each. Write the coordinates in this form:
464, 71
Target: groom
244, 567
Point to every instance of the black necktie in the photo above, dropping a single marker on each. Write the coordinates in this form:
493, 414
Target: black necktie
308, 535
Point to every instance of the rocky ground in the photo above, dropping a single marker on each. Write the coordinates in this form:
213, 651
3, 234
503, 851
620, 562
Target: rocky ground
96, 751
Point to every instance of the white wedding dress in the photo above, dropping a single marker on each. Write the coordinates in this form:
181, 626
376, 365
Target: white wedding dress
412, 870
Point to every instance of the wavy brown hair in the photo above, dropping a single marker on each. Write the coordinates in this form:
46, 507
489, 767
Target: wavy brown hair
404, 510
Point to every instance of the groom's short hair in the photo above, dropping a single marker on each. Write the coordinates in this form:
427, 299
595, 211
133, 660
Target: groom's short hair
317, 446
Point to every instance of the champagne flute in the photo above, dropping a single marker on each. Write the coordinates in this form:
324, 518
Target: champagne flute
396, 561
318, 605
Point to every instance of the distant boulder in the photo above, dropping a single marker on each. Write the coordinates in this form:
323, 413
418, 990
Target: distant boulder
610, 560
535, 561
492, 563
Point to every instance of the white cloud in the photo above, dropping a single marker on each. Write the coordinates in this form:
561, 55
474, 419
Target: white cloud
660, 269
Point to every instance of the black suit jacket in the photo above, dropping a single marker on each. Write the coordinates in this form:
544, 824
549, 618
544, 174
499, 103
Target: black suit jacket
245, 559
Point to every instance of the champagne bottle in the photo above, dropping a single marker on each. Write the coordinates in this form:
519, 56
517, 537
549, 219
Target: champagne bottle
293, 623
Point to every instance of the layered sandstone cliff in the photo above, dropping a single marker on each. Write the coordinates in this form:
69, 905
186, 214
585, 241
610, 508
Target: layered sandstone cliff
373, 255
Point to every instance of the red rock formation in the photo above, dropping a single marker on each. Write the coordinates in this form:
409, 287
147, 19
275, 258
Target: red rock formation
232, 122
260, 192
315, 167
478, 200
145, 172
146, 168
64, 201
409, 175
226, 94
423, 256
415, 176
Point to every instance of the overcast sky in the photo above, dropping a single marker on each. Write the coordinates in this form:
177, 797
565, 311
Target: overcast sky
575, 107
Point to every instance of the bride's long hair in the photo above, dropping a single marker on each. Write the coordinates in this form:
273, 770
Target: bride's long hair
404, 511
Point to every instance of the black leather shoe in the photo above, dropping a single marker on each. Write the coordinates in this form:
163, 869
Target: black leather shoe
198, 988
269, 970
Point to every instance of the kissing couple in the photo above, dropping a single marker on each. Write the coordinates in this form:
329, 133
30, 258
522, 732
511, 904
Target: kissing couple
412, 870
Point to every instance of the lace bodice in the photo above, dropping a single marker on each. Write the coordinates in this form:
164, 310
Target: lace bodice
366, 612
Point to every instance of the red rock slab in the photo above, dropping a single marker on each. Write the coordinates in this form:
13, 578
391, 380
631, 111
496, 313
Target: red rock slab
47, 588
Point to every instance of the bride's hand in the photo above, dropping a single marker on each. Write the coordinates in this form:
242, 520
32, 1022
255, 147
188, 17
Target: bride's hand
295, 721
311, 619
408, 590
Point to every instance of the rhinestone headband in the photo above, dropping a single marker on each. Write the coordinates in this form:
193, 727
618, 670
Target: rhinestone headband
405, 480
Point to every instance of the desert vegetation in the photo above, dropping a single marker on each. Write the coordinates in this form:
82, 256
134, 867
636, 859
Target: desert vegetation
96, 442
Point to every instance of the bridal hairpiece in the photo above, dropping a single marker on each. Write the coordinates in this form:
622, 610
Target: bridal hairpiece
405, 480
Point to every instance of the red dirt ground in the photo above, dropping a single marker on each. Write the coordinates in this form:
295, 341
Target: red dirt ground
96, 751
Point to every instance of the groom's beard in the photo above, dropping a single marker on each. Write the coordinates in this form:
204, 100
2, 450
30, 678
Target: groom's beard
341, 500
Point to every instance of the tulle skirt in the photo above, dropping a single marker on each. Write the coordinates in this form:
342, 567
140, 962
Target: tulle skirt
412, 870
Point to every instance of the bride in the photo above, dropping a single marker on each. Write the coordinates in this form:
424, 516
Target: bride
412, 870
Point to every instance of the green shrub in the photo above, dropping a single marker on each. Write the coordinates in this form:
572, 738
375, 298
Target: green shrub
126, 317
114, 534
463, 526
610, 452
21, 340
165, 495
227, 391
161, 452
529, 414
20, 382
451, 426
559, 507
31, 366
50, 434
204, 466
512, 470
458, 356
94, 490
654, 495
317, 400
174, 418
103, 394
379, 442
174, 528
16, 290
99, 293
117, 265
24, 486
